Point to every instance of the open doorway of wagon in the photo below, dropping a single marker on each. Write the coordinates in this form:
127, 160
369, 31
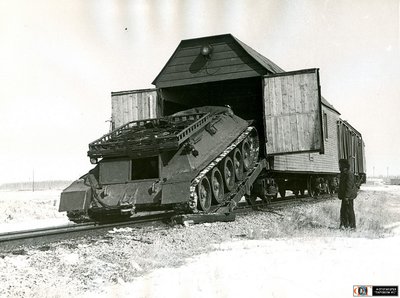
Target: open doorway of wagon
244, 96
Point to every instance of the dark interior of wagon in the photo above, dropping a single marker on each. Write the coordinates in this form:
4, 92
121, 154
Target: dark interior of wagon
243, 95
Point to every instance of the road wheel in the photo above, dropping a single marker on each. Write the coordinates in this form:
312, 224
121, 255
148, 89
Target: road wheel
228, 173
217, 185
204, 194
238, 163
247, 156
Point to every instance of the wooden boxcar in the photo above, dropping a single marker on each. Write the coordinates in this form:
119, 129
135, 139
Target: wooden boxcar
301, 134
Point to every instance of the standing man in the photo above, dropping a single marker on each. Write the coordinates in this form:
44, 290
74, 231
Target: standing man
347, 193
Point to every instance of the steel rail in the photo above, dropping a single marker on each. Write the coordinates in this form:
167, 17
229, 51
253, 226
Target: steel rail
43, 232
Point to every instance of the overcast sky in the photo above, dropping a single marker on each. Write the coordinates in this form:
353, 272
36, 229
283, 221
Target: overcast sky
60, 60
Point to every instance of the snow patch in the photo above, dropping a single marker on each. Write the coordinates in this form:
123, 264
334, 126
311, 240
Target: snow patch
70, 258
120, 230
298, 267
18, 261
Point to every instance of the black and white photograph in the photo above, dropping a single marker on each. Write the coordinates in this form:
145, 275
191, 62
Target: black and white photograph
199, 148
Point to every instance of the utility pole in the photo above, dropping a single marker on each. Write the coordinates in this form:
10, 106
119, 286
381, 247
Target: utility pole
33, 180
373, 172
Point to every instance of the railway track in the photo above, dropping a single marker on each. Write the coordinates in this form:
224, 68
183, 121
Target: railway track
243, 207
66, 229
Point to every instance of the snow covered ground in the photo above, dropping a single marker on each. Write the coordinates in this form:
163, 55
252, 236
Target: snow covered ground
296, 252
286, 267
299, 267
39, 195
22, 209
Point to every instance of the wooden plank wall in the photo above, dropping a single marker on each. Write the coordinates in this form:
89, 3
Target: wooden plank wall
128, 106
228, 61
292, 113
314, 162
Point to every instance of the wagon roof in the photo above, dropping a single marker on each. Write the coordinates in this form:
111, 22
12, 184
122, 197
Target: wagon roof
265, 65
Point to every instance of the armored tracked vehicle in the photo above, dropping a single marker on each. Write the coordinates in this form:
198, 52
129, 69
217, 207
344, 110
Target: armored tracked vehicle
191, 161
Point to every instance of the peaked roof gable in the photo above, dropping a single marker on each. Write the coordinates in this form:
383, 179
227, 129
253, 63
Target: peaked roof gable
230, 59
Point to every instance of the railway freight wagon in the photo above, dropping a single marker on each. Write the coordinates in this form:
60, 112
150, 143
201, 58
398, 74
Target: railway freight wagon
316, 172
223, 121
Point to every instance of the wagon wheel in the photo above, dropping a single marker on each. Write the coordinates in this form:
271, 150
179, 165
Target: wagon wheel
217, 185
204, 194
228, 173
310, 186
327, 189
332, 190
238, 162
267, 198
282, 192
332, 186
281, 187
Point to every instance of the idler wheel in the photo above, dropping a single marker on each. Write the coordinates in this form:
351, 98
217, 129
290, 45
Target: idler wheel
217, 185
228, 172
238, 163
204, 194
250, 152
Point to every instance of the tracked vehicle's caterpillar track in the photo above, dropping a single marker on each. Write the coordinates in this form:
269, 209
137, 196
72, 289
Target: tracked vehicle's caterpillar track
79, 216
230, 169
